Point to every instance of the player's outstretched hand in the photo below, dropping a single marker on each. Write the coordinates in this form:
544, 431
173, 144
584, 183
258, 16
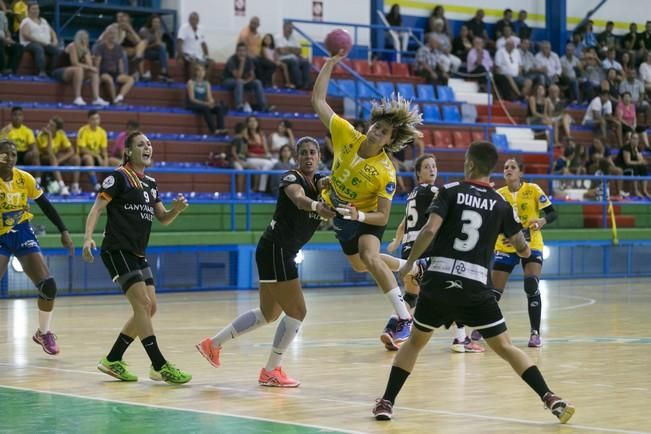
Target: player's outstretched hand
337, 57
66, 241
179, 204
325, 212
89, 246
348, 212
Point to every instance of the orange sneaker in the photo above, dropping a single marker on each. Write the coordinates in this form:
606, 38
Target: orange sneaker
276, 378
211, 353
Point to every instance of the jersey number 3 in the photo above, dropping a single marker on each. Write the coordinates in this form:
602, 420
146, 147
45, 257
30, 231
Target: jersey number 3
472, 221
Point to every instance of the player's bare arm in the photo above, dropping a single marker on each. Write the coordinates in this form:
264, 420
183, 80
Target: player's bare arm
166, 216
423, 241
520, 245
376, 218
91, 222
297, 195
400, 232
320, 91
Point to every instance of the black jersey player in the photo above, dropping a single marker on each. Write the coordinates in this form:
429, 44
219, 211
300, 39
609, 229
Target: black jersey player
296, 218
132, 202
415, 218
465, 220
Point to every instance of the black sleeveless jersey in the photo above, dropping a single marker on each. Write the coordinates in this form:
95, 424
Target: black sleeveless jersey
130, 210
291, 227
416, 215
473, 216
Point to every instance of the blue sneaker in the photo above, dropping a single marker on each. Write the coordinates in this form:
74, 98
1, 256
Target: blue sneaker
387, 334
403, 329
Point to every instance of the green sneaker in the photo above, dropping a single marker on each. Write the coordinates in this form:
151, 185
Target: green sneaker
117, 369
169, 374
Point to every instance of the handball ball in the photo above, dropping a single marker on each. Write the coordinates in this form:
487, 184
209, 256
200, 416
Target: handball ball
338, 39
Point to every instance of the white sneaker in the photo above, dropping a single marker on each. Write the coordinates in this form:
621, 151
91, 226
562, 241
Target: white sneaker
64, 191
53, 187
247, 108
75, 190
118, 99
100, 101
79, 101
146, 75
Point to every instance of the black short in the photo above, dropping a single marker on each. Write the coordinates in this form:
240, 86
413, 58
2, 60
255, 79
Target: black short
275, 263
20, 158
445, 299
348, 233
127, 269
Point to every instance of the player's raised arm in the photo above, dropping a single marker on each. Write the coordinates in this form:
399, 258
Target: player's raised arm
320, 90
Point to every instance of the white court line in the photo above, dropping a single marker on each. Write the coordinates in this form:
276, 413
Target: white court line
190, 410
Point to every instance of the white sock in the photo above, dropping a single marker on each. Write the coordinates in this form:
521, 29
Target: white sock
287, 330
44, 320
244, 323
459, 333
391, 262
399, 305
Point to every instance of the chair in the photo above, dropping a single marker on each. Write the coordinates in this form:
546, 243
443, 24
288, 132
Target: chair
333, 88
425, 92
431, 113
451, 113
406, 90
362, 67
442, 139
318, 62
500, 141
461, 138
363, 91
380, 68
445, 93
399, 69
477, 135
348, 88
427, 138
365, 112
385, 88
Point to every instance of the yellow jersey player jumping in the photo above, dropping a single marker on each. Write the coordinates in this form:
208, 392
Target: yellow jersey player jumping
362, 184
527, 199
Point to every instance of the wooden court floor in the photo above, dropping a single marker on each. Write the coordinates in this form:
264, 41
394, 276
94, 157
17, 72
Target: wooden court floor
596, 353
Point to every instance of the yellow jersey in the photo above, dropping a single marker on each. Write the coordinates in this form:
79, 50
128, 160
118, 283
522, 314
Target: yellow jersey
22, 136
94, 141
355, 180
528, 201
59, 142
14, 195
20, 13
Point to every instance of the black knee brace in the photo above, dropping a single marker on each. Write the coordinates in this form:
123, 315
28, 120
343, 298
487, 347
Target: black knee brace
47, 289
410, 299
531, 286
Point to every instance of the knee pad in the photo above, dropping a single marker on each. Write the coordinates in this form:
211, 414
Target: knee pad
47, 289
531, 286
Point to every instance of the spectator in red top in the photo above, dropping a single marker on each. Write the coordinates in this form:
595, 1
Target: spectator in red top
257, 156
116, 151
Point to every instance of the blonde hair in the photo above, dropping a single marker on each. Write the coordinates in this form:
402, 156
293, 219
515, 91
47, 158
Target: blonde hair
402, 116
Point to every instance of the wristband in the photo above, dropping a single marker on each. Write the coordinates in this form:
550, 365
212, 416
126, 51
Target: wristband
361, 216
314, 205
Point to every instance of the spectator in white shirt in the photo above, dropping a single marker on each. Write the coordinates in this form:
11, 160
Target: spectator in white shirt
600, 113
549, 62
507, 34
289, 52
191, 46
508, 70
645, 72
611, 63
571, 71
447, 61
530, 67
39, 39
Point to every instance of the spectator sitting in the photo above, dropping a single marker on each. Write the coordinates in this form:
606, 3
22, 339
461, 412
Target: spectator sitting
10, 60
606, 39
56, 150
507, 35
611, 84
530, 67
558, 113
116, 152
285, 162
38, 38
191, 46
125, 36
538, 109
593, 74
257, 154
427, 62
268, 54
479, 61
23, 137
520, 27
571, 71
395, 20
462, 44
589, 38
631, 160
477, 26
579, 46
201, 101
626, 115
629, 40
156, 50
645, 72
507, 17
283, 136
598, 154
644, 42
638, 94
549, 63
239, 76
600, 113
250, 37
92, 144
627, 60
508, 71
562, 164
447, 61
437, 13
76, 64
109, 59
289, 52
19, 11
610, 62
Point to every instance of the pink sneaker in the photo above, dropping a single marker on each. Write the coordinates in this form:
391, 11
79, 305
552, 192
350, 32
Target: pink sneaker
472, 347
47, 341
534, 340
387, 335
276, 378
209, 352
